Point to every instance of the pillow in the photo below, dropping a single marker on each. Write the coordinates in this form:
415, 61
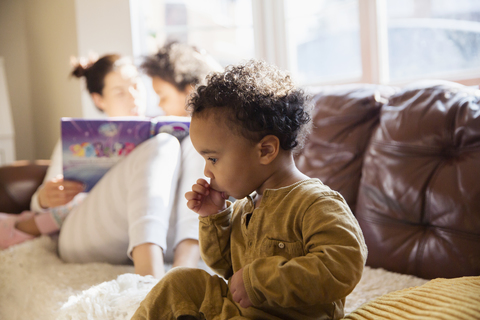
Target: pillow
457, 298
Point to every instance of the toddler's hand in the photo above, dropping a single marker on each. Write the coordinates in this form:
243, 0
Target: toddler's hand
239, 293
58, 192
204, 200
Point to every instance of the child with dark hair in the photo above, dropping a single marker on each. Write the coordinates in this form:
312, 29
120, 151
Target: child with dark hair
175, 71
290, 246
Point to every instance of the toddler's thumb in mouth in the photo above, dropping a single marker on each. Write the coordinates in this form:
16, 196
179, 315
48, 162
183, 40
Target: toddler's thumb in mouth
225, 195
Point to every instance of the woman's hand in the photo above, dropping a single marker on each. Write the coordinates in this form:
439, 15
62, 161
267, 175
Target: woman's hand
204, 200
58, 192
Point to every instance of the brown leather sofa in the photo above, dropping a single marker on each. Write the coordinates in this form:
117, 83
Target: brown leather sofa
407, 162
18, 182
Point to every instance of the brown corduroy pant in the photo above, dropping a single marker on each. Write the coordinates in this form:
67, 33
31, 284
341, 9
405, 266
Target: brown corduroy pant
189, 292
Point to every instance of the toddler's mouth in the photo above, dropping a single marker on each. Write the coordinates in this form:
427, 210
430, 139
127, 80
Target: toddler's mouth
224, 194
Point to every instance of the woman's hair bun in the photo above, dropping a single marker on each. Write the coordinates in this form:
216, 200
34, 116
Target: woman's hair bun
81, 66
78, 71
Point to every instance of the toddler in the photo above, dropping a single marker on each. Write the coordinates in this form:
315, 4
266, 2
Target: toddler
290, 247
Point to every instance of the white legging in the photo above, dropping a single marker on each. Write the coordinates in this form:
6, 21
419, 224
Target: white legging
129, 206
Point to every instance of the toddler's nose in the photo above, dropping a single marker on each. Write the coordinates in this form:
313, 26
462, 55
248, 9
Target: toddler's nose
207, 173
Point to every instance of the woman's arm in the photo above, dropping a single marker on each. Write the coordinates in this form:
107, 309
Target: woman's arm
54, 191
54, 169
148, 260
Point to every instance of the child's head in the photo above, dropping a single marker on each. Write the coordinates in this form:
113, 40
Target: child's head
242, 120
175, 71
256, 99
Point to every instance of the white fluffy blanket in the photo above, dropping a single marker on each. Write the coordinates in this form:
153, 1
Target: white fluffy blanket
36, 284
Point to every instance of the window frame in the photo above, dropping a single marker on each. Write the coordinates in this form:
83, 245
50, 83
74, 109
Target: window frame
373, 45
271, 43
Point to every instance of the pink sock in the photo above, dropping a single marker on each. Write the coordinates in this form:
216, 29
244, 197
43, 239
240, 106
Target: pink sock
46, 224
9, 235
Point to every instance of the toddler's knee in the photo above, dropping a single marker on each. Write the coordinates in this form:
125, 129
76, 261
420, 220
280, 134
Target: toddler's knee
184, 272
186, 277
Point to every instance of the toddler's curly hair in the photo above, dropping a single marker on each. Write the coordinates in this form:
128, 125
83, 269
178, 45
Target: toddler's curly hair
258, 100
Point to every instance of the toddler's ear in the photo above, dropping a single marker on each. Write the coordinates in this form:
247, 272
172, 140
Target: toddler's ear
268, 147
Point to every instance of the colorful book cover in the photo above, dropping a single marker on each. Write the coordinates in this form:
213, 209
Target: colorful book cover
176, 126
90, 147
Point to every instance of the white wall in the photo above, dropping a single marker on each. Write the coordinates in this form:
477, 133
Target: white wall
103, 26
7, 134
13, 47
52, 39
37, 38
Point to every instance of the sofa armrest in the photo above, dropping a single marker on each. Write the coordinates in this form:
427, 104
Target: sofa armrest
18, 182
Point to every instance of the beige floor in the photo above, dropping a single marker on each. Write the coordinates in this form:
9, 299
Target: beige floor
35, 284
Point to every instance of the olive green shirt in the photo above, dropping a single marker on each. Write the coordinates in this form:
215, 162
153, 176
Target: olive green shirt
302, 251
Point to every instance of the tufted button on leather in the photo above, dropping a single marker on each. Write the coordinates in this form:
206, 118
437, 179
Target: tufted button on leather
281, 245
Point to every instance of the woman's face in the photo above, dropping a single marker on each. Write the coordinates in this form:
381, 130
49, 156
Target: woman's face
172, 101
122, 93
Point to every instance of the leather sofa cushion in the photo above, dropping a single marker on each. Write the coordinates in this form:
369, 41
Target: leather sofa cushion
18, 182
419, 196
343, 119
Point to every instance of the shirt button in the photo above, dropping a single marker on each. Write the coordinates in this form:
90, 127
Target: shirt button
281, 245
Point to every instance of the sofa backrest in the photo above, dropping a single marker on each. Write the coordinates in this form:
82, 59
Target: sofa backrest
343, 119
18, 182
417, 193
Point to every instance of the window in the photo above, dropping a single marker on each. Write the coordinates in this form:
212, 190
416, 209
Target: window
432, 38
325, 41
223, 27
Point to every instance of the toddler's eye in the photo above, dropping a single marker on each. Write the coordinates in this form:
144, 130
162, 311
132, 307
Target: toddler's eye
213, 160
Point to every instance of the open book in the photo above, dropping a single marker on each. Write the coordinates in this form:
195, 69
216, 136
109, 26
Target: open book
90, 147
